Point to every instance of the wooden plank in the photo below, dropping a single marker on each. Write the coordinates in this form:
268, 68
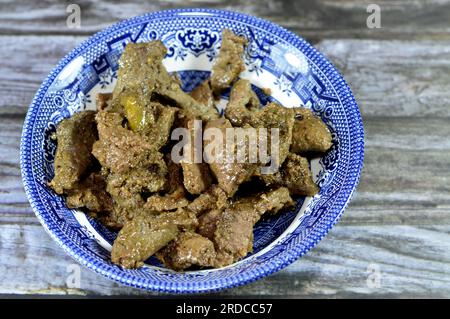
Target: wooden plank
411, 262
407, 155
12, 195
406, 176
394, 78
313, 19
25, 62
388, 78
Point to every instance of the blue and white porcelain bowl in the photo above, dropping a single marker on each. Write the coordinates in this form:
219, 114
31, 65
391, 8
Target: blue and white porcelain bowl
275, 58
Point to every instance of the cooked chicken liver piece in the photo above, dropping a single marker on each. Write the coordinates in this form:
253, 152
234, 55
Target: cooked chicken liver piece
233, 237
90, 194
229, 63
143, 77
196, 176
120, 149
127, 188
203, 94
207, 223
295, 175
228, 171
73, 159
175, 196
156, 122
213, 198
140, 238
243, 109
242, 103
147, 233
187, 250
310, 133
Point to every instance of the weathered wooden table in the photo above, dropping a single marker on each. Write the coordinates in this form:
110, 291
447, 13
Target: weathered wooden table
393, 240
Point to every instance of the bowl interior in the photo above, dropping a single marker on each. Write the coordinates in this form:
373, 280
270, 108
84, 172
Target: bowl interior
295, 74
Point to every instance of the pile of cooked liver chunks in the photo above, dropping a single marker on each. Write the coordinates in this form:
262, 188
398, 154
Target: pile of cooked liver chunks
115, 163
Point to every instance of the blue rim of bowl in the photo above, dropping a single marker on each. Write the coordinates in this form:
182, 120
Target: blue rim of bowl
311, 239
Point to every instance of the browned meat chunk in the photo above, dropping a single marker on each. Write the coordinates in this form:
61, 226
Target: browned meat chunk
214, 198
209, 206
175, 194
140, 73
90, 194
276, 116
196, 176
154, 121
229, 172
298, 176
295, 175
103, 100
272, 201
143, 79
233, 237
310, 133
127, 188
243, 109
203, 94
140, 238
186, 250
207, 223
114, 219
229, 63
73, 158
135, 167
242, 104
120, 149
183, 218
147, 233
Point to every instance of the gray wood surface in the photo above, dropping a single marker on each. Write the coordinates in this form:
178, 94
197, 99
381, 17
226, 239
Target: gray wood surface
399, 220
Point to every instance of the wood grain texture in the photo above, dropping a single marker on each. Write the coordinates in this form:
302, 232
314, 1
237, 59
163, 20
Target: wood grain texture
340, 266
399, 218
408, 19
398, 78
12, 196
24, 69
395, 78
